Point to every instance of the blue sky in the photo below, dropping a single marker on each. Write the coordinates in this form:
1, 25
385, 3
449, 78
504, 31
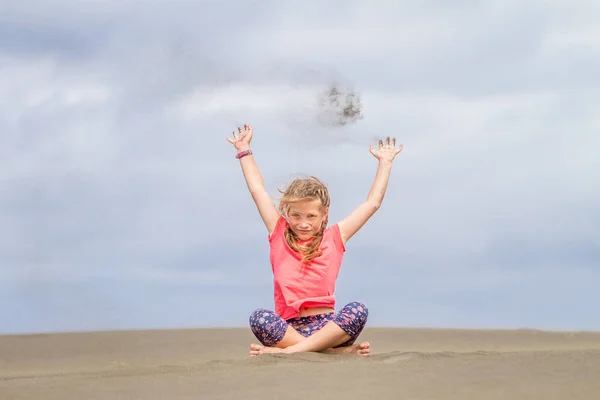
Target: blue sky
122, 205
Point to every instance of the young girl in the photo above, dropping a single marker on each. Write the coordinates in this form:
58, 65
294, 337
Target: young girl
306, 256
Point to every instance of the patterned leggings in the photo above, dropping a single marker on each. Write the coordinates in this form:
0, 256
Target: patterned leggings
269, 328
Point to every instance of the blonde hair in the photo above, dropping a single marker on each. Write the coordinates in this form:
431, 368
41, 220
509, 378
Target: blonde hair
304, 189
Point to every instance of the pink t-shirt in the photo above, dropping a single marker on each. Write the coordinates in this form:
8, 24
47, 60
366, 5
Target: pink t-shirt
299, 285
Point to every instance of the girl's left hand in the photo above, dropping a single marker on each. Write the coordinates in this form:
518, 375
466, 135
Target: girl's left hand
387, 151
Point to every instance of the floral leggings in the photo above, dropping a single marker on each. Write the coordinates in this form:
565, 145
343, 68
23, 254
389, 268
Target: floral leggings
269, 328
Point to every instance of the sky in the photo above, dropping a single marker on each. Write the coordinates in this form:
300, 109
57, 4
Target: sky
122, 205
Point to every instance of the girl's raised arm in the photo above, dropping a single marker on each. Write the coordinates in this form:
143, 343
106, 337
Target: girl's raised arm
353, 222
254, 180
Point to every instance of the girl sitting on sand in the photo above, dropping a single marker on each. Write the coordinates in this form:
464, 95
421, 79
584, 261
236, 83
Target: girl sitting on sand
306, 256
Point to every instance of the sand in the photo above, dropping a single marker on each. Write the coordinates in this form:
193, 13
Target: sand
214, 364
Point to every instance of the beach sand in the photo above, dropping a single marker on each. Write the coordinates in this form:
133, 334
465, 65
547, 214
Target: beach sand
214, 364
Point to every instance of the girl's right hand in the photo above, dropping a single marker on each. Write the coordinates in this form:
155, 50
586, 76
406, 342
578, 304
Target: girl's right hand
241, 140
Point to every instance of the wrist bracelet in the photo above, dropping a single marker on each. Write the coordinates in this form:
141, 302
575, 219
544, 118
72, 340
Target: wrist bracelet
243, 153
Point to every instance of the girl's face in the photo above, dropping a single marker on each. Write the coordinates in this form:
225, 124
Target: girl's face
305, 218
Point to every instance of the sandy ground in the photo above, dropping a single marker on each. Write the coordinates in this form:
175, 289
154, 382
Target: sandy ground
214, 364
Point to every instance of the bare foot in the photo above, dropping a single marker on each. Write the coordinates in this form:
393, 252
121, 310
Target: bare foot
256, 349
362, 349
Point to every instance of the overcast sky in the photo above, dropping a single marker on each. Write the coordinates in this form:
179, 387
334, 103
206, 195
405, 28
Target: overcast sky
122, 205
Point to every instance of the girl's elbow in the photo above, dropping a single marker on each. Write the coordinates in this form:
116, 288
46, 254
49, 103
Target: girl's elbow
374, 205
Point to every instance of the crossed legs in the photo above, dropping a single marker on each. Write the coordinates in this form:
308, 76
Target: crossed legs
325, 333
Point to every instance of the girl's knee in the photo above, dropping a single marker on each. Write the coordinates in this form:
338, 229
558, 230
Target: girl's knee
352, 318
358, 309
268, 327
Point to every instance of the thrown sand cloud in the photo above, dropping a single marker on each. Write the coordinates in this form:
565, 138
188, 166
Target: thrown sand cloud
339, 106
